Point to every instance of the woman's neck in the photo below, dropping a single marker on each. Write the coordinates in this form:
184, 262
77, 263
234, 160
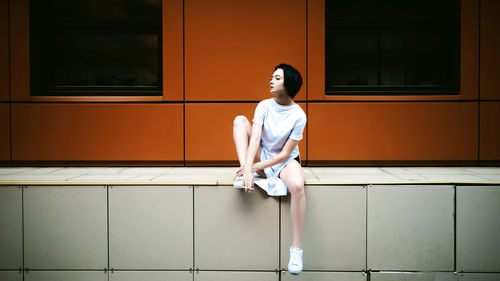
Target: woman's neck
284, 99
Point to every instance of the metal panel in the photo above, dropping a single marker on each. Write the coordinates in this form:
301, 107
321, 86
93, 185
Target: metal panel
240, 33
235, 276
334, 235
478, 228
11, 229
151, 275
385, 131
151, 227
235, 230
325, 276
66, 275
11, 276
413, 276
479, 277
65, 227
411, 228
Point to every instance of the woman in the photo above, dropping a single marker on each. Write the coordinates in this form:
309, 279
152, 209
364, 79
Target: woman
270, 148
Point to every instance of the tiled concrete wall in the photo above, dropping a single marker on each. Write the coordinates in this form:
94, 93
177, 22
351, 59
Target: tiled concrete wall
394, 232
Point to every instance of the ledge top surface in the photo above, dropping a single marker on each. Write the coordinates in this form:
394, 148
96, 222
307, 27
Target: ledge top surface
225, 175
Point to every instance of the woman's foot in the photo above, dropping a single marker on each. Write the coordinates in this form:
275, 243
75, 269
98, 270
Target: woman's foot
295, 263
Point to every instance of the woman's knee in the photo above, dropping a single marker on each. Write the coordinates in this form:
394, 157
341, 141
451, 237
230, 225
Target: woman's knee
296, 188
240, 120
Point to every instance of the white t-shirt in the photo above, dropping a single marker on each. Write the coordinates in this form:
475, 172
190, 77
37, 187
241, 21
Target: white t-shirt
279, 123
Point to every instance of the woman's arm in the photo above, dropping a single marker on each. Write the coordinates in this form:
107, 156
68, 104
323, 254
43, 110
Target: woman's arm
252, 150
282, 156
285, 152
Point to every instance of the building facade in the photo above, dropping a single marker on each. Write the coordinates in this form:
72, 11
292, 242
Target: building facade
214, 62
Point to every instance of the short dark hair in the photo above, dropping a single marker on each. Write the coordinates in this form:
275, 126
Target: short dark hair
293, 79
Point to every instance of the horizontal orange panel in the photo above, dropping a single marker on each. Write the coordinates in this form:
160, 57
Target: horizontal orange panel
490, 44
469, 57
97, 132
489, 135
393, 131
4, 132
209, 130
231, 47
4, 50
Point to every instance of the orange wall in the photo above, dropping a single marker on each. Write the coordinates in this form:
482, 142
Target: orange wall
97, 132
490, 131
217, 59
393, 131
232, 46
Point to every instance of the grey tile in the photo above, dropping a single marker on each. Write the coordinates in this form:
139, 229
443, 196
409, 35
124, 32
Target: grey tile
11, 276
65, 275
235, 230
146, 171
37, 177
9, 170
325, 276
358, 178
44, 170
150, 275
188, 179
143, 178
483, 170
334, 235
318, 171
235, 276
410, 227
310, 174
65, 227
479, 276
151, 227
397, 170
436, 170
102, 177
489, 177
455, 177
11, 227
414, 276
478, 228
89, 170
411, 177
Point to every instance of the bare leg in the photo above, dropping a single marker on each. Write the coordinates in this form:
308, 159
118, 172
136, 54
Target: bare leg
294, 178
241, 136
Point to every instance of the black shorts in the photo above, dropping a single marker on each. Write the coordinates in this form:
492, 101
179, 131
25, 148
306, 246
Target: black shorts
298, 159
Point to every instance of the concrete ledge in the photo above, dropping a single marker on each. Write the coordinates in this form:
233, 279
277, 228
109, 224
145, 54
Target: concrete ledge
224, 175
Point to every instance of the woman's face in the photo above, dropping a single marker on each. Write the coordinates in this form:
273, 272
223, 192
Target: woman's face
277, 84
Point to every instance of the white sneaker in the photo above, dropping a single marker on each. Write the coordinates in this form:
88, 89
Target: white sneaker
295, 264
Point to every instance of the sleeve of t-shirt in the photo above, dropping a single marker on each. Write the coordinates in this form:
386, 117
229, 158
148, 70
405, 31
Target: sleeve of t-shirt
298, 128
260, 113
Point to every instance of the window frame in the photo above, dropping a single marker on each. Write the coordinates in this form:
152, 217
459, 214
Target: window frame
469, 62
172, 58
378, 26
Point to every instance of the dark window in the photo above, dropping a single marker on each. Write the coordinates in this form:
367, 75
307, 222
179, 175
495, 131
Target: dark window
96, 47
393, 47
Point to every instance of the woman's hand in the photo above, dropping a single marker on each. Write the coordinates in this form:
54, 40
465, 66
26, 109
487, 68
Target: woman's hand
240, 171
247, 180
